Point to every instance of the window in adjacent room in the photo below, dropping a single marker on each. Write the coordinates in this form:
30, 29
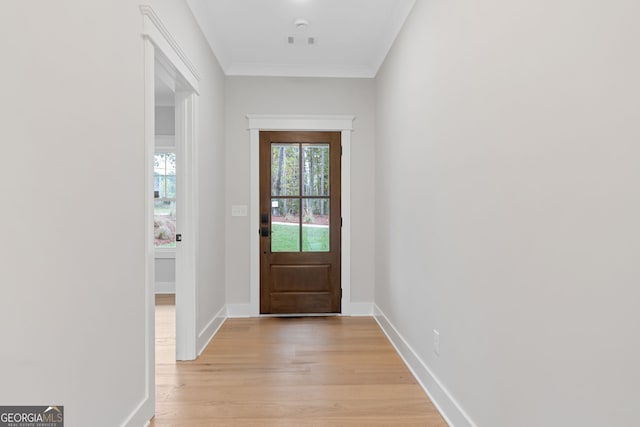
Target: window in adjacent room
164, 223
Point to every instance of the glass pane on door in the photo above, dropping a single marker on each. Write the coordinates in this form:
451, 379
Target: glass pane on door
315, 165
315, 225
285, 170
285, 225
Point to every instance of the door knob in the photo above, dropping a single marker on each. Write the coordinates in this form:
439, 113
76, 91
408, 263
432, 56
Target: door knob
264, 231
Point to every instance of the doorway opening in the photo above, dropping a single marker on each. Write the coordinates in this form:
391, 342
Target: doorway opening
165, 61
165, 213
300, 222
174, 195
323, 123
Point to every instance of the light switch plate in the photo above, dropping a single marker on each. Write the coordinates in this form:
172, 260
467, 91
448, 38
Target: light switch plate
239, 210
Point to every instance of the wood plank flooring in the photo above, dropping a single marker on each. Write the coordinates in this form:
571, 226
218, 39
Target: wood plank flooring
311, 371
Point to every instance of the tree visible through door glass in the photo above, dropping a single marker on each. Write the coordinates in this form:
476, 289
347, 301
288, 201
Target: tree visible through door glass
315, 205
315, 176
285, 170
300, 204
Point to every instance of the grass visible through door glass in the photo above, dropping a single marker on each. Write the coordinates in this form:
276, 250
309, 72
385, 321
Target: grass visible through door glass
284, 238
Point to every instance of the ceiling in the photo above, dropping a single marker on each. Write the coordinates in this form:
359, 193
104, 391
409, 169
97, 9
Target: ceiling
350, 38
164, 94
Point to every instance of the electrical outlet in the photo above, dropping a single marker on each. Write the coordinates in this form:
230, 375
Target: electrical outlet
436, 342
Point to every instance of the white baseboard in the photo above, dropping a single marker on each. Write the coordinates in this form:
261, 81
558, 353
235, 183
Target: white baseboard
239, 310
140, 416
165, 287
449, 408
358, 309
350, 309
208, 332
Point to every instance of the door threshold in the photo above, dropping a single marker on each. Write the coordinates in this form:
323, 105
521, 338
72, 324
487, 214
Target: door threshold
302, 315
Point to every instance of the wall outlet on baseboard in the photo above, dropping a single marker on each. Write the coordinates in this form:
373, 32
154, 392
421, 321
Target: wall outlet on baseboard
436, 342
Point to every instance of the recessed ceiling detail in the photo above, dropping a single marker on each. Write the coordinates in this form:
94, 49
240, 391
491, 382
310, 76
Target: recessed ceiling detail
322, 38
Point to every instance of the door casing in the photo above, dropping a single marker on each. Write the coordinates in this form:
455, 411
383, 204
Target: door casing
338, 123
160, 45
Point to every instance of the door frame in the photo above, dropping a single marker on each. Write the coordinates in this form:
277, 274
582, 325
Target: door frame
335, 123
325, 297
159, 45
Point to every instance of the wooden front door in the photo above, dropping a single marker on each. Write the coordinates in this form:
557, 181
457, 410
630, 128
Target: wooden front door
300, 222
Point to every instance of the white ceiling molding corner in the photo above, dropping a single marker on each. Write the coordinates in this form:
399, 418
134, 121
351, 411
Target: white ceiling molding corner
203, 16
391, 31
349, 38
299, 70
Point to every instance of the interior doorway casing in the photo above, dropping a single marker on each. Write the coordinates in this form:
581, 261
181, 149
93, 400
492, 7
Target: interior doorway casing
343, 124
161, 47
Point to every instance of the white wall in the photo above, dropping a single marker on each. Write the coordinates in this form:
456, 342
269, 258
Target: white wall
269, 95
72, 271
507, 206
165, 275
72, 277
165, 123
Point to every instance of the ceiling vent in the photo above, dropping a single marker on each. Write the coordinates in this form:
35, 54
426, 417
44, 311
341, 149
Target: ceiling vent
302, 41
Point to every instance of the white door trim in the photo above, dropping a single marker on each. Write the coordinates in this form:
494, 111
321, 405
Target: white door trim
187, 226
155, 31
343, 124
160, 45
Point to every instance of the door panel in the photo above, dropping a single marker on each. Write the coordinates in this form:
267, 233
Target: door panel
300, 278
300, 222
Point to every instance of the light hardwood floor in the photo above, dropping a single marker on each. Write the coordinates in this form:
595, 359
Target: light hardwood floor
312, 371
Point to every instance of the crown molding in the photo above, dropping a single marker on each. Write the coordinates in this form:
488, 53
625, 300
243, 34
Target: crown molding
392, 31
202, 14
299, 70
